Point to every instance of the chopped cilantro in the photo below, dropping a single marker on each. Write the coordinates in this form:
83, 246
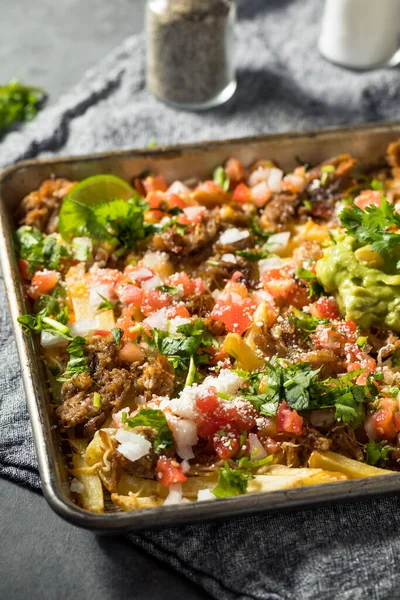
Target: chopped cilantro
106, 304
116, 332
221, 178
306, 323
154, 418
39, 323
315, 288
256, 254
371, 226
168, 289
377, 452
258, 232
77, 362
41, 251
231, 482
180, 347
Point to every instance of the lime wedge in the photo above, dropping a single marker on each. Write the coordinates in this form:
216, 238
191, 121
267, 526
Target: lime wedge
90, 191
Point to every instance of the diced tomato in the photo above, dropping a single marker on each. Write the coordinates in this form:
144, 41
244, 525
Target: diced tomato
235, 171
154, 183
396, 420
240, 414
271, 445
208, 401
282, 286
138, 273
23, 266
129, 294
126, 322
325, 308
43, 282
191, 215
102, 332
182, 281
260, 194
383, 419
363, 361
226, 443
178, 310
234, 311
288, 420
164, 201
234, 287
242, 194
169, 472
106, 276
154, 300
368, 198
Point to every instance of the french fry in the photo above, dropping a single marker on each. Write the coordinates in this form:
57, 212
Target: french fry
91, 497
237, 347
353, 469
133, 502
95, 451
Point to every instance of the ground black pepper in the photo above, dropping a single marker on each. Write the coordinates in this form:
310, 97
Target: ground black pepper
190, 51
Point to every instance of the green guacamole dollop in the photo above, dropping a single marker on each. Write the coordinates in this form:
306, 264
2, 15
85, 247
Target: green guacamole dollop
369, 296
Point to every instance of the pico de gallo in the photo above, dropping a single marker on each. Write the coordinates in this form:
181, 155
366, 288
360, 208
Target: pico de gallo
205, 339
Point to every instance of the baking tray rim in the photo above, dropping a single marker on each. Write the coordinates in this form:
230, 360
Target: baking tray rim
272, 502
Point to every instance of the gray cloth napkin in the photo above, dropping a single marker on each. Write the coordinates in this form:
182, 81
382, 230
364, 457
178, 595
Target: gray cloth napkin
340, 551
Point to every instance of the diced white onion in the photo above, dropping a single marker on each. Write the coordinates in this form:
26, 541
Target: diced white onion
177, 322
132, 445
152, 260
233, 235
185, 466
259, 175
229, 258
98, 292
76, 487
152, 283
174, 495
205, 495
48, 340
256, 447
275, 179
83, 327
278, 241
177, 187
158, 320
185, 436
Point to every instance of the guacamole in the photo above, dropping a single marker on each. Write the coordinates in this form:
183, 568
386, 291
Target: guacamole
365, 294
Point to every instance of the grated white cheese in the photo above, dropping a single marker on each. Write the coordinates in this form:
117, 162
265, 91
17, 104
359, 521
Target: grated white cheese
227, 382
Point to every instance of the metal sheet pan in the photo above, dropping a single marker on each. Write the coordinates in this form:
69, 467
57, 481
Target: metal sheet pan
367, 143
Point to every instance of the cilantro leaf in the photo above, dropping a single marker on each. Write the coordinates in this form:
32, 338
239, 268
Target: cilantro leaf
370, 226
77, 361
221, 178
231, 482
168, 289
256, 254
154, 418
183, 345
315, 288
18, 102
106, 304
305, 322
116, 332
39, 250
377, 452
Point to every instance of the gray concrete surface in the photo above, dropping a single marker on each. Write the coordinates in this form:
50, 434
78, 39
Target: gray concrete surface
51, 44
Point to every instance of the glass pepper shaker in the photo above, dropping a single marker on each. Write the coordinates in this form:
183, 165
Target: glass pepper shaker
190, 52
